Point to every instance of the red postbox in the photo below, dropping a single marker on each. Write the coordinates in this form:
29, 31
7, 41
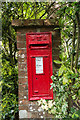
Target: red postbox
39, 64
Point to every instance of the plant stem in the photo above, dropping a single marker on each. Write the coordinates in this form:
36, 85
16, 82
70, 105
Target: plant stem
73, 45
78, 41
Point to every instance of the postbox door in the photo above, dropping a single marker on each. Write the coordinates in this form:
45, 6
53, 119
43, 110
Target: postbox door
40, 75
39, 61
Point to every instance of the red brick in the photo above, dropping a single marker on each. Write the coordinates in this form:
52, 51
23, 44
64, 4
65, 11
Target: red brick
22, 73
22, 87
22, 93
22, 80
22, 55
18, 37
23, 102
21, 44
22, 60
55, 51
22, 51
56, 44
22, 66
26, 30
46, 29
22, 96
23, 107
21, 37
55, 57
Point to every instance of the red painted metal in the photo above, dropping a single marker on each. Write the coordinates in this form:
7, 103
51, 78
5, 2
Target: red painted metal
39, 65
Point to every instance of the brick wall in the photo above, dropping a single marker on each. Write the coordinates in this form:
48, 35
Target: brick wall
29, 109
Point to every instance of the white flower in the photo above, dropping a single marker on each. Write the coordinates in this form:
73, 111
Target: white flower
42, 106
45, 107
50, 101
41, 116
43, 113
49, 112
54, 78
39, 102
59, 79
44, 101
50, 104
12, 111
54, 103
41, 99
40, 109
53, 111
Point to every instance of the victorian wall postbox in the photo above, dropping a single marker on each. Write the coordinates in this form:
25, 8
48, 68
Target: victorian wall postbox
39, 65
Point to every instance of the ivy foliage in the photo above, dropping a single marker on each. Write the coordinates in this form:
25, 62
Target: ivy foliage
68, 15
9, 77
66, 82
9, 82
66, 93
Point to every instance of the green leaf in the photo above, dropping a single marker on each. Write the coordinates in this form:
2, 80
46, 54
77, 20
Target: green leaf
52, 86
65, 79
57, 62
74, 96
75, 115
61, 70
0, 89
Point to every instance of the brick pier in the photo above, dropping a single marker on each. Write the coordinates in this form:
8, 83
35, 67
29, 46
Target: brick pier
30, 109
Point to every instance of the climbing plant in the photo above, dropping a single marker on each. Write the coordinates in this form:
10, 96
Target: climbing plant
68, 15
66, 82
9, 77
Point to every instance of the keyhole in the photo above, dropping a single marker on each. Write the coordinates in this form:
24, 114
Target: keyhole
36, 78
